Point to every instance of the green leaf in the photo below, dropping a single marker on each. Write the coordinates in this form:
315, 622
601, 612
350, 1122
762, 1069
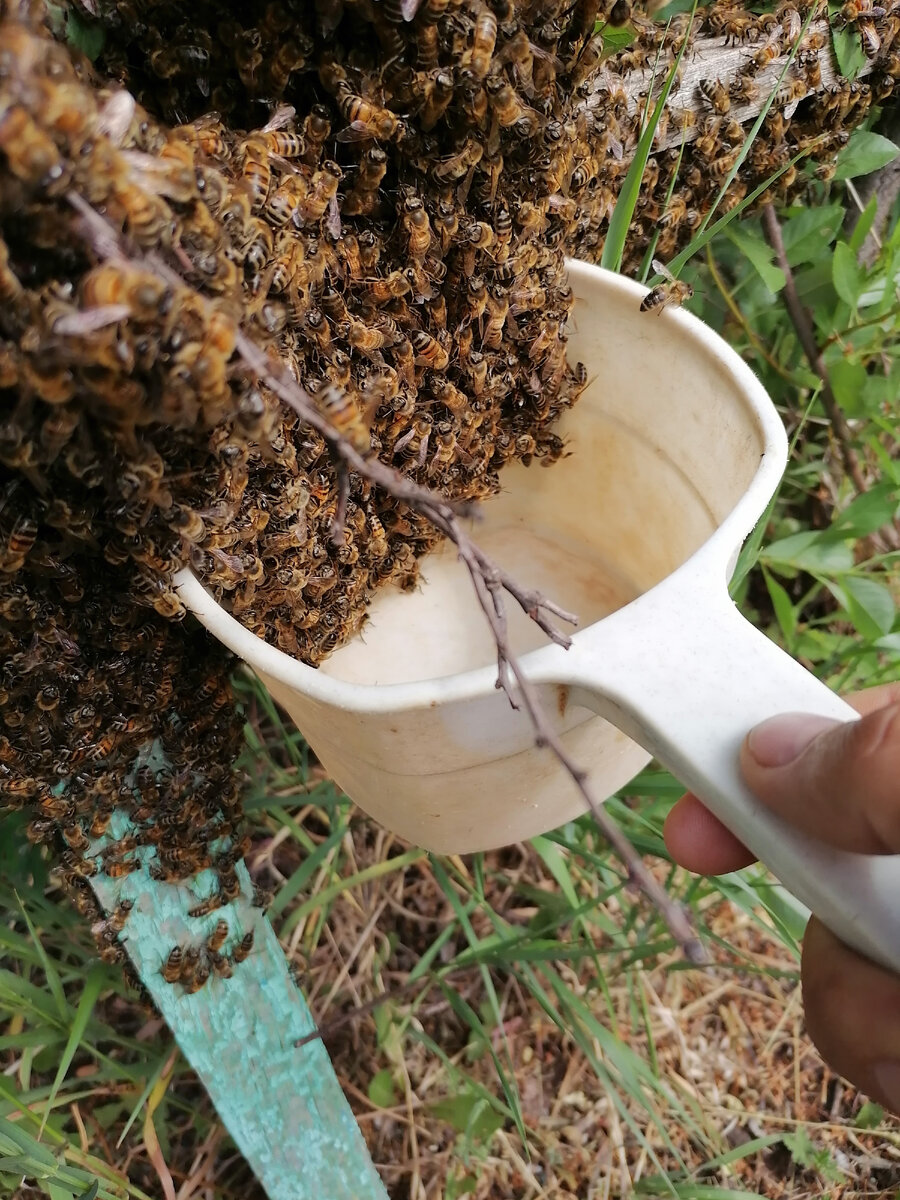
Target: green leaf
88, 38
869, 1116
870, 605
468, 1113
848, 382
807, 232
868, 512
864, 153
845, 274
381, 1090
810, 551
759, 254
848, 50
785, 612
616, 39
864, 223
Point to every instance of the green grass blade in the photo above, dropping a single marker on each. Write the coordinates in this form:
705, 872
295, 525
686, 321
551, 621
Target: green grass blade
620, 222
92, 987
50, 972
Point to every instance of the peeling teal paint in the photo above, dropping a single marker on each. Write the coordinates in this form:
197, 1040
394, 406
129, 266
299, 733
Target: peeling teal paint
283, 1106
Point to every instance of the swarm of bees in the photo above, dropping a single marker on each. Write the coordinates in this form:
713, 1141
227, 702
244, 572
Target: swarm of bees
381, 193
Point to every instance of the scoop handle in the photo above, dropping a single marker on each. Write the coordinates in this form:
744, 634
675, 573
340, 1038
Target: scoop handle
685, 675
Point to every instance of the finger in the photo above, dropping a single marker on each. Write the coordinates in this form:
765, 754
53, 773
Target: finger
874, 698
837, 781
699, 841
851, 1013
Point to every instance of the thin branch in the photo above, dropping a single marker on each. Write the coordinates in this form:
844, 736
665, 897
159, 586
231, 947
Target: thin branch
489, 580
802, 323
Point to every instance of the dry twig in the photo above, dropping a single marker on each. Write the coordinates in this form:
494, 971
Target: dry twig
489, 580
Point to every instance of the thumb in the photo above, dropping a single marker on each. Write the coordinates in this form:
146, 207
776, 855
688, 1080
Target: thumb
837, 781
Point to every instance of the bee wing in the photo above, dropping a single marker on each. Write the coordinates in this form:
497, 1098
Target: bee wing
409, 8
116, 115
661, 269
92, 319
333, 218
283, 115
356, 131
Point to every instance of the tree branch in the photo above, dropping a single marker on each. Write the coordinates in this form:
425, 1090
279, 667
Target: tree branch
489, 580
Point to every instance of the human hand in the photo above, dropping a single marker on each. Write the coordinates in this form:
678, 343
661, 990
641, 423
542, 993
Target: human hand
839, 782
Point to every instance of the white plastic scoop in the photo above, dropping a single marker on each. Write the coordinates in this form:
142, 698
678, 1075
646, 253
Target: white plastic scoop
675, 452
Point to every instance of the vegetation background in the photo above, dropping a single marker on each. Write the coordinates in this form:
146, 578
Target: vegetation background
540, 1035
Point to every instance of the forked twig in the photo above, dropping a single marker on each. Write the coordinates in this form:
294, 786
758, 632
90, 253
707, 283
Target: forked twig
489, 580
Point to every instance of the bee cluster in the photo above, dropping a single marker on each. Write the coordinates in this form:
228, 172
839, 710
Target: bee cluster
702, 132
379, 192
194, 965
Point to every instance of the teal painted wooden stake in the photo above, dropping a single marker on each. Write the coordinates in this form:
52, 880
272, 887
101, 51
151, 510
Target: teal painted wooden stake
283, 1106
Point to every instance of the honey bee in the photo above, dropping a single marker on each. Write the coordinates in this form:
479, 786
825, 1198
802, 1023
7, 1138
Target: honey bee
381, 291
242, 950
715, 94
111, 285
367, 121
767, 53
428, 351
312, 206
674, 292
417, 228
285, 200
510, 111
477, 61
19, 543
31, 154
217, 938
119, 915
340, 410
743, 89
172, 967
457, 165
316, 131
363, 198
256, 171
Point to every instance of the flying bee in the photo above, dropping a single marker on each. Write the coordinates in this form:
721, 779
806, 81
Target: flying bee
674, 292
